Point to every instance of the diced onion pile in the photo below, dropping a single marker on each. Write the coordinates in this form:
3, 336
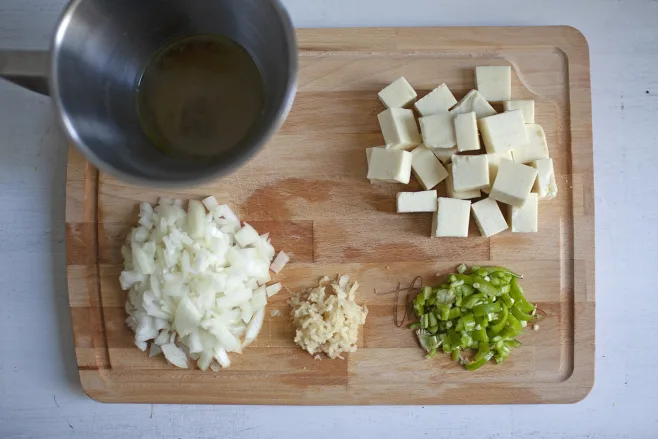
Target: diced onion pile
328, 323
196, 281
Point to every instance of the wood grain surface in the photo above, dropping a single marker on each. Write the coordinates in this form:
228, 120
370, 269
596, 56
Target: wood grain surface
308, 189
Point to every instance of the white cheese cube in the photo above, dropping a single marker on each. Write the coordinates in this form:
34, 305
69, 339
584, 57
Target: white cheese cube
427, 168
527, 108
494, 160
425, 201
445, 154
466, 132
397, 94
470, 172
439, 100
535, 149
451, 219
399, 128
473, 101
494, 82
390, 165
488, 217
438, 131
369, 152
461, 195
545, 185
503, 131
368, 155
513, 183
524, 219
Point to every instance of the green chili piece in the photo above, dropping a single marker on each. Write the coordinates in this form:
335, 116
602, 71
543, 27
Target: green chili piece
454, 313
499, 324
480, 334
520, 314
486, 308
483, 351
493, 269
473, 365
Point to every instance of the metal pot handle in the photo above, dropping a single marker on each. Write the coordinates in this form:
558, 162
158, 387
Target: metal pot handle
29, 69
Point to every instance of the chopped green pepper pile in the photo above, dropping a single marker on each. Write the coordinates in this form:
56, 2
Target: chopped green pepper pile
483, 311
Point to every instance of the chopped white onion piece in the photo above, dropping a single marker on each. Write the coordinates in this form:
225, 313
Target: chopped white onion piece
279, 262
174, 355
273, 289
253, 328
246, 235
210, 203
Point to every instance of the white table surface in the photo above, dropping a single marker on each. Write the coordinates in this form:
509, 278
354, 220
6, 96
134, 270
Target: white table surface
40, 394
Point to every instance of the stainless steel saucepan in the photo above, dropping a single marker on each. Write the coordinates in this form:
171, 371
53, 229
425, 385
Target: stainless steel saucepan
100, 49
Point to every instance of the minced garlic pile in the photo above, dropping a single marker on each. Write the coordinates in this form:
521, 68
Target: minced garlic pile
328, 323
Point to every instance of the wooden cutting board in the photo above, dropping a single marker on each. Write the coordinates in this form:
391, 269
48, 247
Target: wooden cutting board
308, 189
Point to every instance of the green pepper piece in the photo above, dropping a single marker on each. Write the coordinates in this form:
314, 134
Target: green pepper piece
414, 326
467, 278
507, 299
496, 282
454, 313
525, 306
427, 292
461, 269
514, 322
433, 329
494, 269
504, 289
480, 334
513, 329
473, 365
455, 338
419, 300
431, 319
485, 287
486, 308
513, 343
520, 314
468, 322
443, 311
467, 290
516, 292
472, 300
499, 324
431, 354
483, 350
455, 354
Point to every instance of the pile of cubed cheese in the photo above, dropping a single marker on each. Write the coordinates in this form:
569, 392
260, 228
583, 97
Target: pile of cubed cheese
514, 169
